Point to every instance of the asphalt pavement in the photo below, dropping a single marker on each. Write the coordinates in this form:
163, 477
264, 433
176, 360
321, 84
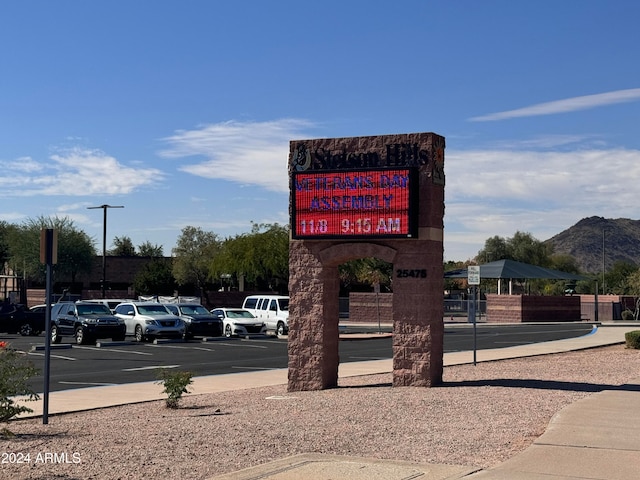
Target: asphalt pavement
590, 439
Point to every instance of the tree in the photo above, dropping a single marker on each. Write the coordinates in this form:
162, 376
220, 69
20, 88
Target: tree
155, 278
76, 249
366, 271
149, 250
261, 257
617, 278
4, 243
123, 247
522, 247
495, 248
193, 254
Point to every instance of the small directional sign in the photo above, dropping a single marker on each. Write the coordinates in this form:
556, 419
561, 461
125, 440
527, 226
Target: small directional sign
473, 275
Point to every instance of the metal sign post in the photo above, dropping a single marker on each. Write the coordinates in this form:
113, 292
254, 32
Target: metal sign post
48, 256
473, 279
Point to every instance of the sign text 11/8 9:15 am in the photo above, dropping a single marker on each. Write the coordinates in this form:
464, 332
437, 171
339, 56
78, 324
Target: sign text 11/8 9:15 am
348, 226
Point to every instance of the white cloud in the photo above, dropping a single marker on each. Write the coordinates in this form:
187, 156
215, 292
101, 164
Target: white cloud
253, 153
567, 105
75, 172
498, 192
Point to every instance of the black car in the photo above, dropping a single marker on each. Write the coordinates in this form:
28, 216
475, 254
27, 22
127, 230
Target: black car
85, 321
17, 318
197, 320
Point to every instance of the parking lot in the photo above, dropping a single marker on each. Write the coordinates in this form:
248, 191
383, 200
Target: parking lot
75, 366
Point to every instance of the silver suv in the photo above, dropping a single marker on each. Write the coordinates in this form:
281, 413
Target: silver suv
149, 320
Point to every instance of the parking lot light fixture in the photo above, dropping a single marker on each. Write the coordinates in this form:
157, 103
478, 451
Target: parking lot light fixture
103, 282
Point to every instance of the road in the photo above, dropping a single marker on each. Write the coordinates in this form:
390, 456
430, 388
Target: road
126, 362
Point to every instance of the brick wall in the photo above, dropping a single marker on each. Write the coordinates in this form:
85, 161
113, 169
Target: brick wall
532, 308
368, 308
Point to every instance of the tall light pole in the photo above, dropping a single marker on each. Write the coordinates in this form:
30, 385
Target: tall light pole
603, 268
103, 282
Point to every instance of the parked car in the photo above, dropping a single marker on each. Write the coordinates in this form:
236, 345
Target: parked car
85, 322
17, 318
197, 320
149, 320
237, 321
112, 303
273, 310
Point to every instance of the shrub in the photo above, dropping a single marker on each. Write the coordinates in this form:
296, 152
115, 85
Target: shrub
632, 339
627, 315
175, 384
15, 372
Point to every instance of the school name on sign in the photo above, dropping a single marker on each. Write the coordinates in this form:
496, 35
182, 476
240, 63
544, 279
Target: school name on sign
369, 203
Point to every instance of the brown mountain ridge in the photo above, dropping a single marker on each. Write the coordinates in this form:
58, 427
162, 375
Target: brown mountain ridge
596, 239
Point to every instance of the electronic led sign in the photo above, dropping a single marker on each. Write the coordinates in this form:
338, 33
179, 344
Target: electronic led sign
354, 204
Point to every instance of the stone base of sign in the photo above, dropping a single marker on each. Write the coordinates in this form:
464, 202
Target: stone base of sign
313, 317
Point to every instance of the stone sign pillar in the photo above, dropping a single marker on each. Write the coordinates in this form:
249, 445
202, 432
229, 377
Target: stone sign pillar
348, 213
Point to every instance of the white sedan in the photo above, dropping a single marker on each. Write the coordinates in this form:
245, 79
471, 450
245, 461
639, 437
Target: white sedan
236, 321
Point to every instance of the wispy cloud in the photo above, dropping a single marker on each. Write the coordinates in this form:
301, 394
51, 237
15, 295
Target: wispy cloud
74, 172
253, 153
501, 191
567, 105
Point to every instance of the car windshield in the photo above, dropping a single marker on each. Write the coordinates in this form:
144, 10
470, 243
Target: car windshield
194, 310
239, 314
284, 303
97, 309
152, 310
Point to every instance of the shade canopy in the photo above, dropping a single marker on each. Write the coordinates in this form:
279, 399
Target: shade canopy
511, 269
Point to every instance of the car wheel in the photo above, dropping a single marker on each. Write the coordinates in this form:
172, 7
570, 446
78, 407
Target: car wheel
55, 336
81, 338
227, 331
280, 330
26, 330
138, 334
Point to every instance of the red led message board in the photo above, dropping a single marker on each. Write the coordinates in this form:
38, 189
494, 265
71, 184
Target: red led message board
354, 203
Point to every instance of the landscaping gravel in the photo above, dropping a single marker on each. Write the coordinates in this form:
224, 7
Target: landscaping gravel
481, 416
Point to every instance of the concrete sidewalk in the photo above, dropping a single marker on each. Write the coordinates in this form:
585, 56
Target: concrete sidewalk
595, 438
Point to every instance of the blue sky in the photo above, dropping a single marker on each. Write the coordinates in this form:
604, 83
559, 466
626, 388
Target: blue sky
182, 111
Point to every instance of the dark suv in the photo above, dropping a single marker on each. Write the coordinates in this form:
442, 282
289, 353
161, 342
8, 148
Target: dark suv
85, 321
197, 320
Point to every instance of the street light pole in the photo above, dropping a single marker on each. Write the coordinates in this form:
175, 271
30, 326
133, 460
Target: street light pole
603, 267
104, 245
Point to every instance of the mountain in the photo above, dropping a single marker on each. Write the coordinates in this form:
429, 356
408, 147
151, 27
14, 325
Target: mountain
594, 239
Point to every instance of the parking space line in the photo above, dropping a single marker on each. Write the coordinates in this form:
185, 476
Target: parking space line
244, 344
103, 349
152, 367
183, 348
53, 356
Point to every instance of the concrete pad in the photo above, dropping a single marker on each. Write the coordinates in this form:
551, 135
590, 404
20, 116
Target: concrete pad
332, 467
555, 461
613, 437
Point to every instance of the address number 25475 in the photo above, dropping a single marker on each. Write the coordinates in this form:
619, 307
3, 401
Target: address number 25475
408, 273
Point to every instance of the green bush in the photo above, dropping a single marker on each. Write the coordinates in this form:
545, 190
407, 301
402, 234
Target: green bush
15, 372
175, 384
632, 339
627, 315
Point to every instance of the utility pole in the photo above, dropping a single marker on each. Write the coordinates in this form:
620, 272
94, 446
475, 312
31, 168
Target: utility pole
603, 266
103, 282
